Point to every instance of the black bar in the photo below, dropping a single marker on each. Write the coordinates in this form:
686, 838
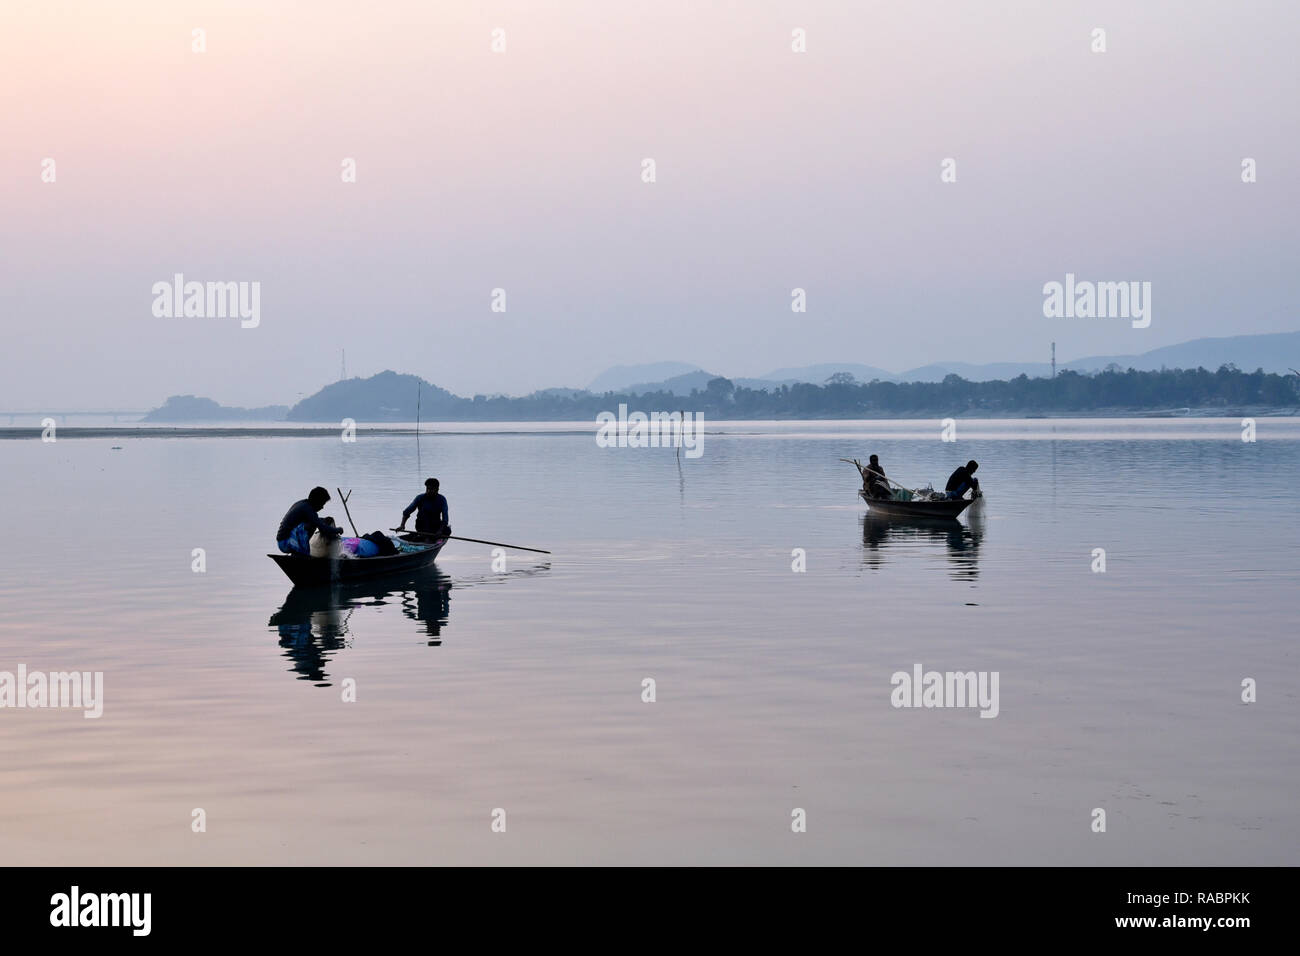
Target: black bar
987, 907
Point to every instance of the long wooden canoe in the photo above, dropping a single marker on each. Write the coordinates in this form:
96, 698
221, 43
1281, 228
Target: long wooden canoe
302, 569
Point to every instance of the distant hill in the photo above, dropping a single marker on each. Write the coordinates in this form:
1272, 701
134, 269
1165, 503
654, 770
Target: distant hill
818, 374
938, 371
691, 381
191, 408
620, 377
386, 397
764, 383
1274, 352
558, 393
678, 384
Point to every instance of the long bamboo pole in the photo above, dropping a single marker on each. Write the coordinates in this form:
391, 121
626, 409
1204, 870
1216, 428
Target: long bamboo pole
453, 537
344, 499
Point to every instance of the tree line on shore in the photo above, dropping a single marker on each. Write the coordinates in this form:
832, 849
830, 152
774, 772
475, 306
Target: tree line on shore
390, 396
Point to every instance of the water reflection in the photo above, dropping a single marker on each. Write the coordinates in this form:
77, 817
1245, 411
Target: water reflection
313, 622
880, 533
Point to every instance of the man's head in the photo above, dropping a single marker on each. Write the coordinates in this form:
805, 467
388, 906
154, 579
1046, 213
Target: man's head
317, 498
971, 466
431, 485
875, 459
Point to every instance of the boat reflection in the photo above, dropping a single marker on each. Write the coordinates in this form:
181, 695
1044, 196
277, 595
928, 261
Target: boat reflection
880, 533
313, 622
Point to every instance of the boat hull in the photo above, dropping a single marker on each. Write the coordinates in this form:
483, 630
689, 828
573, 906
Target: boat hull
943, 509
304, 570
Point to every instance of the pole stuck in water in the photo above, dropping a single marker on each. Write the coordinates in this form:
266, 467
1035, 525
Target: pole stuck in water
344, 499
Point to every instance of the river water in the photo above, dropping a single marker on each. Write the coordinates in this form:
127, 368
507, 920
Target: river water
516, 693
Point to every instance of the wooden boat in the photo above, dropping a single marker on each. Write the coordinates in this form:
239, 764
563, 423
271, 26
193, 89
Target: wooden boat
303, 569
944, 508
905, 503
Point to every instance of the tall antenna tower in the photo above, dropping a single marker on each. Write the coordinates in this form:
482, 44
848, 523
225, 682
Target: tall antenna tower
343, 364
1053, 360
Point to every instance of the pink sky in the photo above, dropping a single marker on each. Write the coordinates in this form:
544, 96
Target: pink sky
521, 170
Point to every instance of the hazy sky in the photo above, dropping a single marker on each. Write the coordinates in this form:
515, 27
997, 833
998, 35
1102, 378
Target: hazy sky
522, 170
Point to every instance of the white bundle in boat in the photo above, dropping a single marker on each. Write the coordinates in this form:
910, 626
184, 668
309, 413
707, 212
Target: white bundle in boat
326, 546
322, 546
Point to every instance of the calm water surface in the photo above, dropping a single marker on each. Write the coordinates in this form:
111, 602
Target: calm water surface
478, 689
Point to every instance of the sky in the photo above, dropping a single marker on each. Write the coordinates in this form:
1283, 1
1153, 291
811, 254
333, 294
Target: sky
522, 170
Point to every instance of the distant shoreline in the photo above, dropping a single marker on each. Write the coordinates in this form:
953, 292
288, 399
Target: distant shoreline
251, 431
581, 426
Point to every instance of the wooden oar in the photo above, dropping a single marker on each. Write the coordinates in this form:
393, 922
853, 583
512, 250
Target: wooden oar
453, 537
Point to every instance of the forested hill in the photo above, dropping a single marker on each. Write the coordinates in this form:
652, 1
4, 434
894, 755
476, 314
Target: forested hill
189, 408
386, 397
390, 397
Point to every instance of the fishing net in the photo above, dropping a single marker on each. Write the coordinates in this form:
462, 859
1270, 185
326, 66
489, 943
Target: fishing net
926, 494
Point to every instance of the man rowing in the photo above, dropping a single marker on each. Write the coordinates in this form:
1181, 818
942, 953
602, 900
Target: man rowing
963, 480
430, 511
302, 518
